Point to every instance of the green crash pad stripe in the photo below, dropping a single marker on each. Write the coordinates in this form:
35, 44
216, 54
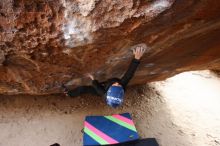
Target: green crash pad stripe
95, 137
119, 122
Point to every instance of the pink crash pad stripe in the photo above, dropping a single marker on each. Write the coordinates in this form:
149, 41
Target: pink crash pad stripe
124, 119
100, 133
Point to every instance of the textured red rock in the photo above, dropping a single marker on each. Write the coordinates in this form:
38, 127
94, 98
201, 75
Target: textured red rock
45, 43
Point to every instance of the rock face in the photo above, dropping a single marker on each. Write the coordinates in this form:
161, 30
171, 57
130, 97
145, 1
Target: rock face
44, 43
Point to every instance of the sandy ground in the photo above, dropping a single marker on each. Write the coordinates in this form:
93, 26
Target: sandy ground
181, 111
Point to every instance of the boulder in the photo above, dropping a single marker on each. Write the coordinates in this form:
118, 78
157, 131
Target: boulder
45, 43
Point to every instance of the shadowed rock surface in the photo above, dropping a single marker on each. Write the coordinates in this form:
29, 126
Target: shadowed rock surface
44, 43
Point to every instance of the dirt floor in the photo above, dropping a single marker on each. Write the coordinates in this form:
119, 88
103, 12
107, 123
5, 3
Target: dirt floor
181, 111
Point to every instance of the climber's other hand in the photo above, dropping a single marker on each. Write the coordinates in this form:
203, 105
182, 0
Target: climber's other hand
90, 76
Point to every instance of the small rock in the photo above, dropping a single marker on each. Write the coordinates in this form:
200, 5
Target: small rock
217, 142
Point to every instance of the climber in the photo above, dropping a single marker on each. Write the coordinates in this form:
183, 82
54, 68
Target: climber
112, 89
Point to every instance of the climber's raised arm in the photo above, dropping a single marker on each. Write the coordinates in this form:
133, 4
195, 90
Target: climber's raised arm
138, 53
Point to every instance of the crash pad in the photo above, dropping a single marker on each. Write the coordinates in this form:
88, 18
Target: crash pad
108, 130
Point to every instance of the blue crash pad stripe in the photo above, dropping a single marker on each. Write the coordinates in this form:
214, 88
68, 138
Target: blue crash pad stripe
89, 140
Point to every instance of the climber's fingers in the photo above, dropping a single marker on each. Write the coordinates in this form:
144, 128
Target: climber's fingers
90, 76
135, 49
138, 49
143, 50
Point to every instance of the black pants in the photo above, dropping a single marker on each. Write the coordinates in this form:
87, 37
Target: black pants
82, 90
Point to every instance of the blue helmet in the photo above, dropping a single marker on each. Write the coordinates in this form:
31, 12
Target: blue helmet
115, 96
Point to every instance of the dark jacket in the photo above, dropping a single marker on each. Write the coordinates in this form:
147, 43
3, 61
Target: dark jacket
102, 87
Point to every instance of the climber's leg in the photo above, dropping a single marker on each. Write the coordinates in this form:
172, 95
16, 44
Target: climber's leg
82, 90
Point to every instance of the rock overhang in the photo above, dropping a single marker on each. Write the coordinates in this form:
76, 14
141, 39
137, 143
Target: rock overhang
46, 43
